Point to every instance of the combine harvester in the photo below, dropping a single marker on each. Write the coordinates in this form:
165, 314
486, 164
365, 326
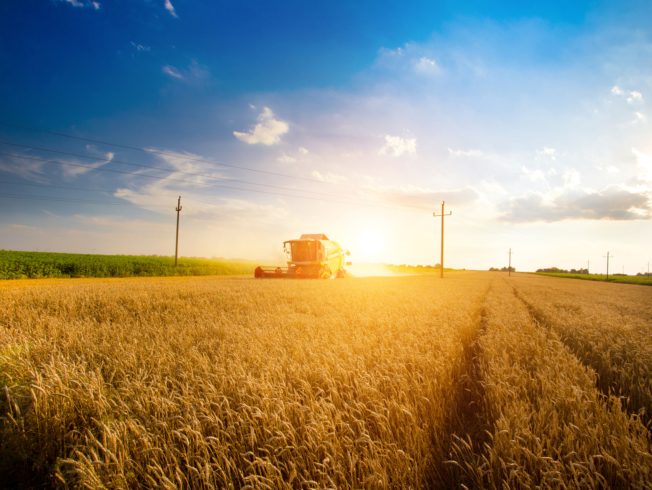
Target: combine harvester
312, 256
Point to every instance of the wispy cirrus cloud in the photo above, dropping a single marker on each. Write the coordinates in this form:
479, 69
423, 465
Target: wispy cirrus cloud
32, 170
170, 8
193, 74
267, 131
40, 169
328, 177
95, 5
172, 72
192, 177
140, 47
72, 168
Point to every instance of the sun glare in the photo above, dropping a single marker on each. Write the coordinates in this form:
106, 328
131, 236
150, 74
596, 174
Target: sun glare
369, 245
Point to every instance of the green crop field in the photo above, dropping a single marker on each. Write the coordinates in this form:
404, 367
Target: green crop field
19, 265
618, 278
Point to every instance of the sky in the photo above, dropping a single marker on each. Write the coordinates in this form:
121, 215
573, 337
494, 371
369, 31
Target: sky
531, 120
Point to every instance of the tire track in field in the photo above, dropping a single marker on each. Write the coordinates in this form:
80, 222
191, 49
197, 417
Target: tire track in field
605, 384
469, 425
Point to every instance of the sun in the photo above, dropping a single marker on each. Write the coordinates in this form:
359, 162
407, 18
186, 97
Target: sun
369, 245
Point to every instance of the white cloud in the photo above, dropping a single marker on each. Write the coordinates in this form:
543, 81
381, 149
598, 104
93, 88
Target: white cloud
184, 165
300, 154
616, 90
192, 178
427, 66
611, 203
33, 170
75, 168
632, 97
95, 5
397, 146
140, 47
170, 8
267, 131
639, 117
422, 198
390, 53
571, 178
173, 72
549, 153
535, 175
285, 158
643, 164
329, 177
407, 60
193, 74
462, 153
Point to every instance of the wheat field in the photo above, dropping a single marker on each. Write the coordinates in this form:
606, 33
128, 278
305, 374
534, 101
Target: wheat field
476, 380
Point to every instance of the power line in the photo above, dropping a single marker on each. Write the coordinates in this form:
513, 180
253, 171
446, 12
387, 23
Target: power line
55, 186
159, 152
156, 177
258, 191
154, 167
70, 199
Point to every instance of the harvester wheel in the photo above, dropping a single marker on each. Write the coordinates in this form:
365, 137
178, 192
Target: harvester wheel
325, 273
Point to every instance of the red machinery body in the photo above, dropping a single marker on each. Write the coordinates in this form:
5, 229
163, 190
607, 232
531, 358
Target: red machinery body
311, 256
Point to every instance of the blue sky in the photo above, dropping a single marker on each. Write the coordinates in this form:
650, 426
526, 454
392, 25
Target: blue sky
350, 118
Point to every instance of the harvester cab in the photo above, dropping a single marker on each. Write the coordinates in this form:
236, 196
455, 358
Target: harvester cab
311, 256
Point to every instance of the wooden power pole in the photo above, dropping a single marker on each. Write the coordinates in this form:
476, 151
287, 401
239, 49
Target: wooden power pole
176, 246
509, 265
441, 260
608, 264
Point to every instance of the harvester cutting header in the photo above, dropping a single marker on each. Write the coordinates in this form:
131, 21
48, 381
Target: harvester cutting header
311, 256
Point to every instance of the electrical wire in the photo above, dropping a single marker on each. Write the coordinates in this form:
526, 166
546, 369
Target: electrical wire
154, 167
103, 169
160, 152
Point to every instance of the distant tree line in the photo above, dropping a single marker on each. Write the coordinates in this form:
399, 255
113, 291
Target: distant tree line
566, 271
502, 269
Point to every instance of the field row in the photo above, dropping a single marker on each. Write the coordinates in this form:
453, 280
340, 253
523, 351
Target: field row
409, 382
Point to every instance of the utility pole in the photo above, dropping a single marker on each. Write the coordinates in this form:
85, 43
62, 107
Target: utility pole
509, 266
608, 265
176, 246
588, 263
441, 260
